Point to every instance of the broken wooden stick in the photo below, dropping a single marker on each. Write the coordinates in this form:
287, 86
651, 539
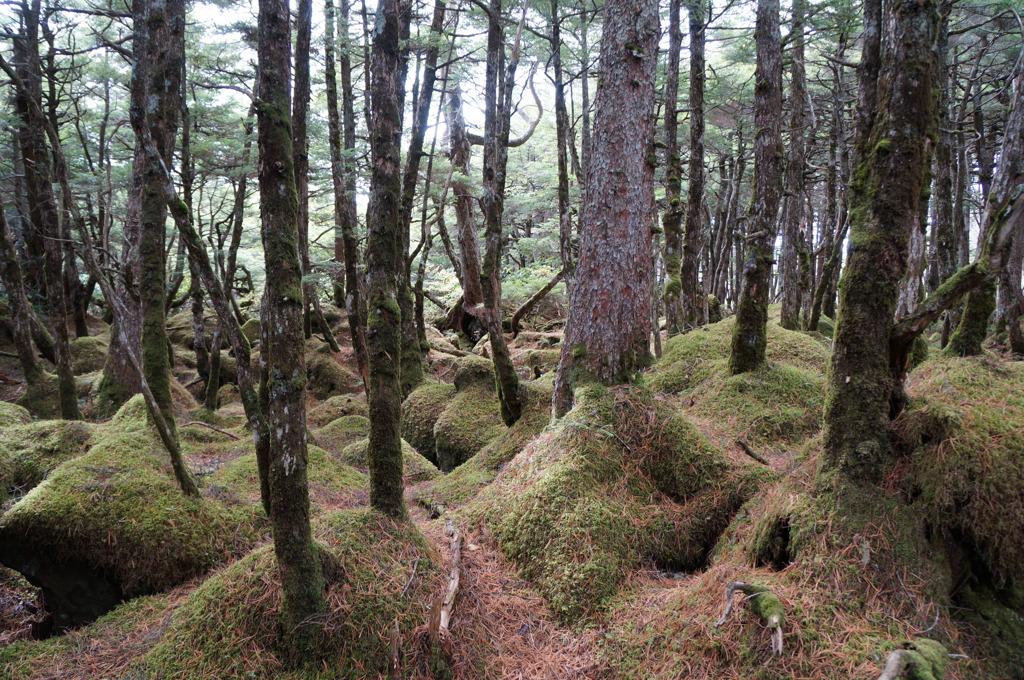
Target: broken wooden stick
918, 659
764, 603
448, 604
215, 429
753, 454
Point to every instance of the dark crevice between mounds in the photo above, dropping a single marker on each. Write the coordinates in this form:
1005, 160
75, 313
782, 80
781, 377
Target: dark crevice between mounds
773, 548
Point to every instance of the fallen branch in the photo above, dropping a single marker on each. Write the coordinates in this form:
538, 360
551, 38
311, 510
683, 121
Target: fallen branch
753, 454
920, 658
764, 603
215, 429
445, 350
448, 604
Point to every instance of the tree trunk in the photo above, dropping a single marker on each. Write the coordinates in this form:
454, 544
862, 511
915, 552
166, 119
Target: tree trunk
302, 582
750, 337
562, 132
793, 208
385, 262
156, 100
671, 220
41, 201
694, 302
300, 151
896, 114
21, 311
608, 330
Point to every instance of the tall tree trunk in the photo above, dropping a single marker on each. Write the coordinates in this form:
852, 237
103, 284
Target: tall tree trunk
302, 581
750, 337
21, 311
500, 82
300, 151
41, 201
896, 115
608, 330
694, 302
793, 208
942, 260
385, 261
671, 220
562, 132
342, 131
156, 100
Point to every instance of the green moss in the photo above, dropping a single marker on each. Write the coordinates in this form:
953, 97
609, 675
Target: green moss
469, 422
116, 514
776, 405
420, 412
416, 468
918, 351
42, 398
341, 432
88, 354
965, 429
380, 573
251, 330
465, 481
620, 482
541, 360
689, 359
29, 452
326, 377
336, 407
13, 414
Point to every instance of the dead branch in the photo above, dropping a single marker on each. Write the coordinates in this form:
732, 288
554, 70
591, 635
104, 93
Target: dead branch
215, 429
772, 615
448, 604
753, 454
453, 352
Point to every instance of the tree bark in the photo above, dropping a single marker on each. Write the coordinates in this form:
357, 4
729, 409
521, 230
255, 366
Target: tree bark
21, 311
300, 151
793, 208
385, 261
298, 559
694, 302
608, 330
671, 220
750, 337
896, 115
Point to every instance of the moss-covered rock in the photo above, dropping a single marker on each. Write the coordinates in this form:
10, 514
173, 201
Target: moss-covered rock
540, 361
379, 574
465, 481
965, 428
690, 358
13, 414
29, 452
472, 417
336, 407
416, 468
88, 354
228, 394
420, 412
42, 398
251, 330
340, 432
622, 481
326, 377
112, 524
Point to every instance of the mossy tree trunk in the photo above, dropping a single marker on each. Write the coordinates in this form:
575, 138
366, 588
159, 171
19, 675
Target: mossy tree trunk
672, 219
607, 337
412, 350
694, 302
750, 337
385, 261
21, 311
159, 46
793, 208
896, 123
562, 126
41, 200
1002, 224
298, 559
942, 260
500, 82
342, 131
300, 152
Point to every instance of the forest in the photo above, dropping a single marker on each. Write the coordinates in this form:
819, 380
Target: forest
470, 339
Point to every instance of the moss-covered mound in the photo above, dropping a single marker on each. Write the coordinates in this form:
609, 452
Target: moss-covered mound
251, 330
966, 429
113, 524
472, 418
465, 481
88, 354
621, 482
336, 407
331, 483
13, 414
416, 467
339, 433
42, 398
326, 377
29, 452
780, 404
689, 359
540, 361
420, 412
379, 574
